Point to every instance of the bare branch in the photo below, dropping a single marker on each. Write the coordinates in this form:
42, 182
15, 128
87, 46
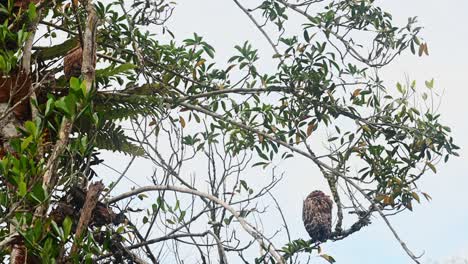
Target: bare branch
314, 158
245, 225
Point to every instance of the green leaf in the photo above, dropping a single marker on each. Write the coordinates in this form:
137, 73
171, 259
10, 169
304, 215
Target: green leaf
429, 84
112, 70
67, 225
3, 64
112, 137
67, 104
32, 11
49, 106
432, 167
306, 36
30, 127
75, 83
120, 229
400, 88
38, 193
57, 229
59, 50
22, 188
182, 215
142, 196
424, 96
25, 143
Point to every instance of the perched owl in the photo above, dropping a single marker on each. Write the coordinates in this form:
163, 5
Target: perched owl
14, 89
317, 216
72, 63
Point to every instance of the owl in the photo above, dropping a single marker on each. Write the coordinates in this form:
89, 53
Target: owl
317, 216
72, 63
14, 89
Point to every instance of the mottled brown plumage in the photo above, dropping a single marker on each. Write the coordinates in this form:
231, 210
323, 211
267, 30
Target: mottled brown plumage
17, 86
72, 63
317, 216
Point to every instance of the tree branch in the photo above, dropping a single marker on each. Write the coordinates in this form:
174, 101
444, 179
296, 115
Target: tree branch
245, 225
314, 158
86, 213
259, 27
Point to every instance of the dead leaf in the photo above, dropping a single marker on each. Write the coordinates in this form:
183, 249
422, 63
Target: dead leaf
182, 121
311, 128
261, 138
356, 92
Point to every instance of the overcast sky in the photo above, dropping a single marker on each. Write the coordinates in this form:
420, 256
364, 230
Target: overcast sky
438, 229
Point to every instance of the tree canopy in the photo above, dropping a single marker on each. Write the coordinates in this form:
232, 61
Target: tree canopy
82, 77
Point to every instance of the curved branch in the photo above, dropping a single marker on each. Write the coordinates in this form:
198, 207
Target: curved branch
245, 225
316, 160
258, 26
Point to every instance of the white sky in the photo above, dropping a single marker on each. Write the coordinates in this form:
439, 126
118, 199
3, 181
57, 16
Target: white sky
438, 229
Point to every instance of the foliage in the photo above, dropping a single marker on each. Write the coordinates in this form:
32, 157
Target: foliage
182, 106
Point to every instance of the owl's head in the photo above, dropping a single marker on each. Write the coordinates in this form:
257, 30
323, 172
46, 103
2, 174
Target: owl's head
316, 194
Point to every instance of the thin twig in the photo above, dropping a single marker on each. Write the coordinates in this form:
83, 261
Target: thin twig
245, 225
314, 158
258, 26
